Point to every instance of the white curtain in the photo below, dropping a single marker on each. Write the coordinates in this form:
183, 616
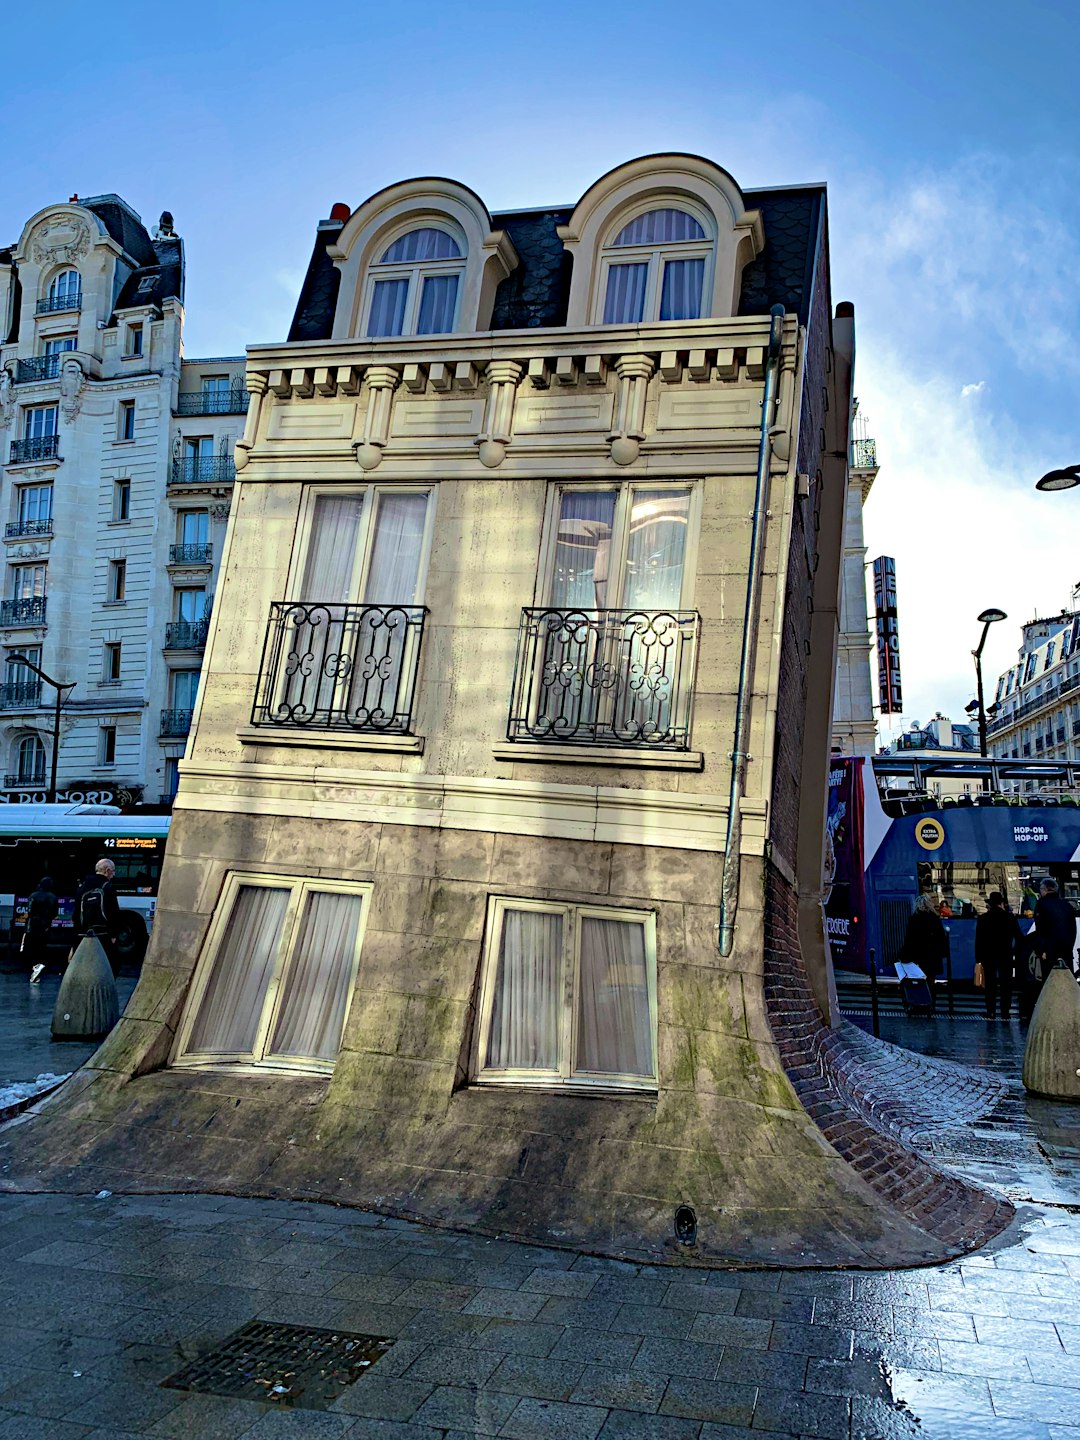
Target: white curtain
227, 1022
316, 986
656, 549
424, 244
395, 555
331, 551
680, 294
660, 227
388, 307
614, 1026
583, 550
624, 303
527, 1003
438, 301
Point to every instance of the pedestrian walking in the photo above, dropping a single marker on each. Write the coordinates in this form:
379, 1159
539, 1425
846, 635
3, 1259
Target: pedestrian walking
41, 911
1054, 938
97, 910
926, 941
998, 940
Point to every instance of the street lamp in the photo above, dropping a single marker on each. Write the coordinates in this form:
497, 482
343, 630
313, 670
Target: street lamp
60, 689
1065, 479
986, 619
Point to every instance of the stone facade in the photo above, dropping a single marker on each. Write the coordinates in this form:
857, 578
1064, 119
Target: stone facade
91, 325
854, 722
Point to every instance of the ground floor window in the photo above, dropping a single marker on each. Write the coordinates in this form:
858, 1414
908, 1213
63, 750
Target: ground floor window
274, 983
568, 996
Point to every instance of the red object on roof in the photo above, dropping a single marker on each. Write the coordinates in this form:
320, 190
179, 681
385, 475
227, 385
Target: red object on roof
340, 211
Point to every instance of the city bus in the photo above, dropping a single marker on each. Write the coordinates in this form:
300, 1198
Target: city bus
1001, 836
65, 842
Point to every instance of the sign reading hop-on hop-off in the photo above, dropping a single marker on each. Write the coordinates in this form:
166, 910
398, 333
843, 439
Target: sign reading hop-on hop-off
890, 695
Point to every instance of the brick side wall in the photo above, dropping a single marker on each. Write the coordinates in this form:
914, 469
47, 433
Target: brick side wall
825, 1073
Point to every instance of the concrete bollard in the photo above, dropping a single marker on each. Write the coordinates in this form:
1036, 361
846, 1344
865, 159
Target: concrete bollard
1052, 1053
87, 1006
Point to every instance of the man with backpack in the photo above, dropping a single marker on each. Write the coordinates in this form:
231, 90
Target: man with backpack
97, 911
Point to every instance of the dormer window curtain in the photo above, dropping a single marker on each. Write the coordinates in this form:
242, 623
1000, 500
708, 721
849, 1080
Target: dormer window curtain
414, 285
656, 268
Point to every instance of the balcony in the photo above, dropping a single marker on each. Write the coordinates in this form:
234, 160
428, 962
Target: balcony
40, 367
15, 529
204, 470
52, 304
29, 611
340, 667
20, 695
175, 722
1030, 707
622, 678
31, 781
213, 402
864, 454
190, 554
41, 447
186, 634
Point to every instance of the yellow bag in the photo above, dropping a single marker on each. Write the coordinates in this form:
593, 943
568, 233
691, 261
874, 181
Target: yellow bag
980, 976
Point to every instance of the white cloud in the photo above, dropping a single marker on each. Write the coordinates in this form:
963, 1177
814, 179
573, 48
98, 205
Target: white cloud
967, 391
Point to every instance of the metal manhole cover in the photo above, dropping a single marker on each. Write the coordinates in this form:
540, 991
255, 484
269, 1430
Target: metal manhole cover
284, 1364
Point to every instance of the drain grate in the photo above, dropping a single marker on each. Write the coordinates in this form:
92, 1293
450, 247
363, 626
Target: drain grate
285, 1364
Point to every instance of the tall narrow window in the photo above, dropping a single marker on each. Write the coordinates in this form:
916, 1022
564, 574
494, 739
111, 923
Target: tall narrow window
126, 422
656, 268
273, 989
134, 340
107, 745
117, 580
30, 761
414, 285
122, 500
198, 458
35, 509
568, 997
190, 603
65, 291
111, 667
194, 526
28, 582
172, 780
185, 688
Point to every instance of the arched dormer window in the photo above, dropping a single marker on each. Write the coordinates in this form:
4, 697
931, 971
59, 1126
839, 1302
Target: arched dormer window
414, 285
65, 291
654, 268
418, 258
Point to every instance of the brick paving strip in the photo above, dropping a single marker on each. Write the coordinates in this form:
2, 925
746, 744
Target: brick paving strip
102, 1299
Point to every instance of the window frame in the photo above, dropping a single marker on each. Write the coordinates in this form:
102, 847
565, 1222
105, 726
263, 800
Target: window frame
21, 742
116, 584
22, 498
44, 410
133, 346
53, 292
564, 1079
416, 272
372, 494
107, 738
112, 660
121, 511
299, 887
125, 411
656, 258
31, 567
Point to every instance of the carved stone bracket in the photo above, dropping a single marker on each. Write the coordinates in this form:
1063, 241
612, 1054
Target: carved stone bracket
257, 387
503, 377
7, 397
72, 385
628, 428
220, 511
381, 381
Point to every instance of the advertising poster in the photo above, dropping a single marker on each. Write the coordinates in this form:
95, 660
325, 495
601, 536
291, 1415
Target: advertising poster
845, 887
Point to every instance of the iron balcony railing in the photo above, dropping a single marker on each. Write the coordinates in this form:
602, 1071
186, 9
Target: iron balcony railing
190, 554
864, 454
1030, 707
605, 677
32, 781
38, 367
213, 402
204, 470
29, 611
41, 447
186, 634
28, 527
340, 667
176, 722
52, 303
20, 694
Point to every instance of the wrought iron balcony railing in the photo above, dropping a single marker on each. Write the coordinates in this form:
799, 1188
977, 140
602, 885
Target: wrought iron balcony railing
186, 634
20, 694
864, 454
1064, 687
33, 781
38, 367
52, 303
27, 527
213, 402
605, 677
176, 722
340, 667
41, 447
190, 554
29, 611
204, 470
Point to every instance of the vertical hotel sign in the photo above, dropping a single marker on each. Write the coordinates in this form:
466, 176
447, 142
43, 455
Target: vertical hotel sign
890, 694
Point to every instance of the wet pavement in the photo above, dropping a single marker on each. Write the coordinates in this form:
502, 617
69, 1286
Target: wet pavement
27, 1048
102, 1299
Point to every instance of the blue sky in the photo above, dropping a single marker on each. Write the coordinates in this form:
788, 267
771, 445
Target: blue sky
946, 132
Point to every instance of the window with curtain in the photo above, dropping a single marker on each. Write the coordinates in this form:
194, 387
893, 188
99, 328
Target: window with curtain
655, 268
273, 989
568, 997
414, 284
65, 289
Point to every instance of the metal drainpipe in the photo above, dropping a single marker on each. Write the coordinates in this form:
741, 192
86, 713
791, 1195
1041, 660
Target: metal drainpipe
729, 886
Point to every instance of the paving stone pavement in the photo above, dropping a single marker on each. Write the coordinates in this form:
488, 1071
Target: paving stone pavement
103, 1298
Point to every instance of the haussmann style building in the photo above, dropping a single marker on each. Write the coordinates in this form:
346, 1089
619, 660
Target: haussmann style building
493, 888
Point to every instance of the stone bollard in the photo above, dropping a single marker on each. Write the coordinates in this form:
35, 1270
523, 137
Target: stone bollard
87, 1006
1052, 1053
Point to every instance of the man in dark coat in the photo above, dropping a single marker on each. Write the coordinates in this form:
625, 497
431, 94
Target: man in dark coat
1054, 938
97, 910
41, 912
997, 936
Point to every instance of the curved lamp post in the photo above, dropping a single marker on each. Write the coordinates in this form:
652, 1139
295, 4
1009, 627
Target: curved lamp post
986, 619
1065, 479
60, 689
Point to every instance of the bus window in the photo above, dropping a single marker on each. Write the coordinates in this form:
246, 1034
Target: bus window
960, 888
